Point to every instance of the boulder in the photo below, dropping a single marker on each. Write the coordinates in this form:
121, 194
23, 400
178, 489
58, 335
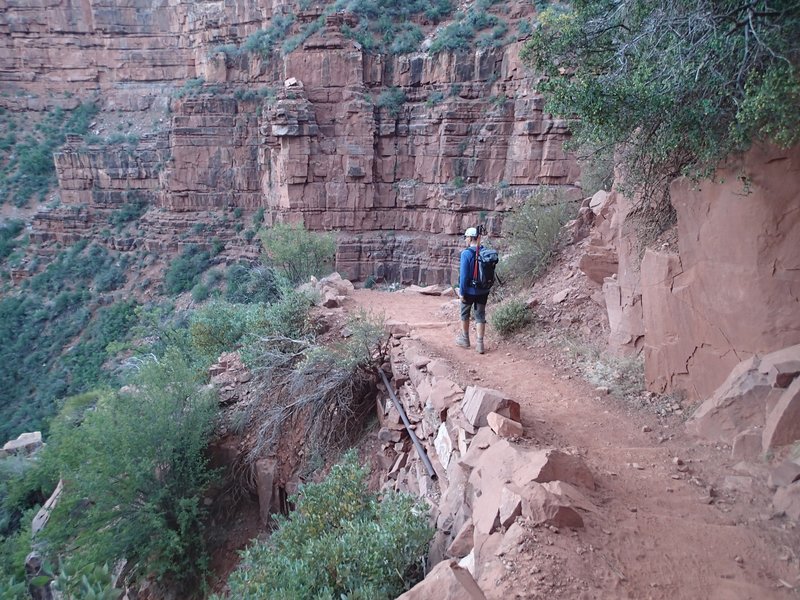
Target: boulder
478, 402
25, 445
598, 263
442, 395
747, 444
447, 581
342, 286
787, 501
543, 507
443, 444
783, 421
738, 404
503, 426
782, 366
462, 542
785, 473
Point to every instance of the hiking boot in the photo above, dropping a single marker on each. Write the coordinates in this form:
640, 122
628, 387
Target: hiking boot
462, 340
479, 346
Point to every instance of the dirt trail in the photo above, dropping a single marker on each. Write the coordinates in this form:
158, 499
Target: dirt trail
692, 528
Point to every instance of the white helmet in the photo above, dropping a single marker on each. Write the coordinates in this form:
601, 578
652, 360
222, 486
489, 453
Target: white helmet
471, 232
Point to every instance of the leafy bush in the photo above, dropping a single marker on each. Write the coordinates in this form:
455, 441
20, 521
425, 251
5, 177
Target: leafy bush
455, 36
130, 211
9, 230
184, 272
532, 231
296, 253
246, 284
388, 26
263, 41
510, 316
40, 322
139, 456
392, 100
679, 85
191, 88
30, 171
340, 541
88, 583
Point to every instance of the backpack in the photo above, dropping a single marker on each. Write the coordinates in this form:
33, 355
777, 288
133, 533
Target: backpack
483, 276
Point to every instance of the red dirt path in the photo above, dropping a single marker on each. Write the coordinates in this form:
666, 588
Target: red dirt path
662, 530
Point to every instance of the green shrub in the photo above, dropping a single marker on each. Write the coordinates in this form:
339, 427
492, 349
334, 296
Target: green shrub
392, 100
457, 35
9, 231
139, 455
30, 171
130, 211
184, 272
246, 284
296, 253
89, 582
263, 41
677, 85
388, 26
434, 98
191, 88
200, 292
510, 316
532, 232
340, 542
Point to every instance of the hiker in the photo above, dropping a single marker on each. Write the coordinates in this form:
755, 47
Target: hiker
470, 295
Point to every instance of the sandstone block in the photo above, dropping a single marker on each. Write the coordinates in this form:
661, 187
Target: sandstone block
511, 500
787, 501
447, 581
543, 507
462, 542
479, 402
781, 367
735, 406
784, 474
443, 444
503, 426
747, 444
783, 422
389, 435
25, 444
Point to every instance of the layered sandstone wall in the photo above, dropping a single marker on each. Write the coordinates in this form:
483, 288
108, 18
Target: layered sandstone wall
307, 136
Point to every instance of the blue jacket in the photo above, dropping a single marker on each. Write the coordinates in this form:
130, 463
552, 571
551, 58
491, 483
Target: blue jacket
465, 273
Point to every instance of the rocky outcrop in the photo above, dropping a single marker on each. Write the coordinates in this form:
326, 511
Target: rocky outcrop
729, 288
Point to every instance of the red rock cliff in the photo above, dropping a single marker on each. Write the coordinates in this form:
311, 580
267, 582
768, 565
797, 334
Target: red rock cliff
397, 183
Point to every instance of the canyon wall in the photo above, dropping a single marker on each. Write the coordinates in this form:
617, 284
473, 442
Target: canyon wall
307, 137
725, 289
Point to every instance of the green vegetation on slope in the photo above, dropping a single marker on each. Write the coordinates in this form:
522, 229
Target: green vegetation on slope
340, 542
54, 337
26, 160
677, 85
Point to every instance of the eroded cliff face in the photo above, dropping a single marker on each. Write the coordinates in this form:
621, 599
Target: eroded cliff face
726, 289
303, 137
